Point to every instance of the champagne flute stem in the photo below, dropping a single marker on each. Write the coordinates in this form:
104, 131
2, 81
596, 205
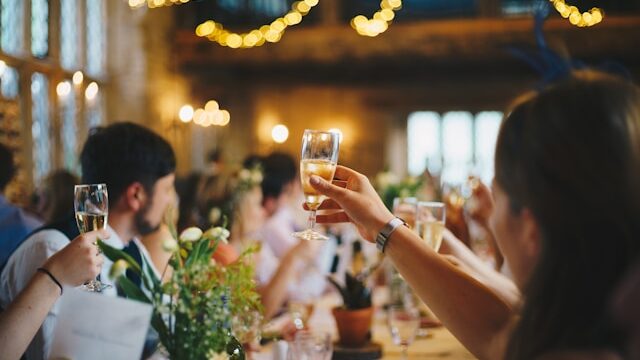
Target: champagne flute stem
405, 352
312, 220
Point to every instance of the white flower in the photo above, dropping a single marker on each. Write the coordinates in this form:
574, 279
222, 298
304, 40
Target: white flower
256, 177
169, 244
385, 179
118, 269
214, 215
218, 233
217, 356
191, 234
244, 174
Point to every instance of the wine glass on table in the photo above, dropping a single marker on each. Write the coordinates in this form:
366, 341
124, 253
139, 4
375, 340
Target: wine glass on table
309, 345
430, 220
319, 157
403, 320
91, 203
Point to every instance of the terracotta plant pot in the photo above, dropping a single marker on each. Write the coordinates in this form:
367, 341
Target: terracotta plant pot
353, 325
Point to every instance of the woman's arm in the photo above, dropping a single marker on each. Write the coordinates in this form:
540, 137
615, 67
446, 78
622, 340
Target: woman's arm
75, 264
485, 274
275, 292
479, 318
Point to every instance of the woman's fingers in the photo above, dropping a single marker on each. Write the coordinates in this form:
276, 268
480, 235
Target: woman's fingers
328, 204
344, 173
337, 217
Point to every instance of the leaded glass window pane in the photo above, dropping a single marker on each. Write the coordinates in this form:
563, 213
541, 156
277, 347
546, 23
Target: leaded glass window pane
40, 127
69, 132
423, 130
39, 28
270, 8
457, 146
94, 111
10, 83
69, 34
95, 37
487, 127
12, 22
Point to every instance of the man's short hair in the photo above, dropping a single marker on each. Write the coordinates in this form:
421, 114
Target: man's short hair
279, 170
123, 153
7, 166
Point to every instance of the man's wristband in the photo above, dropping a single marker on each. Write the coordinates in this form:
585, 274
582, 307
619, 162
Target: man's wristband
387, 230
53, 278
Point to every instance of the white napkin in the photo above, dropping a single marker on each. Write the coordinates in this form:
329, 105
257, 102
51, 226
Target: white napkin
93, 326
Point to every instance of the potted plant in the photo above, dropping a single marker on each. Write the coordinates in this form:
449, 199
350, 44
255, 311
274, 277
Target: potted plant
354, 317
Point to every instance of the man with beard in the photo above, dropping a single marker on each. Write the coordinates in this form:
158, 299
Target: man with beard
138, 167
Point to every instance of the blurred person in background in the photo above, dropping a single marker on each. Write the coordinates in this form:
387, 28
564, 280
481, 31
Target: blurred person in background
55, 196
15, 223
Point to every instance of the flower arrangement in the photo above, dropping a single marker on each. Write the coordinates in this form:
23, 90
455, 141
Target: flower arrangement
389, 186
194, 312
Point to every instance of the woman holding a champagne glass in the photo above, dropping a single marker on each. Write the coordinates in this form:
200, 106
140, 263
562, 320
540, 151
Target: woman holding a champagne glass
566, 218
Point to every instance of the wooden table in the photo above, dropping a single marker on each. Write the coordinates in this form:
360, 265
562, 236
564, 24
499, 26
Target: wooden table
439, 343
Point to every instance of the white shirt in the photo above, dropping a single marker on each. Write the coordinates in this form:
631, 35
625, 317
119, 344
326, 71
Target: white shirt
276, 231
22, 265
309, 280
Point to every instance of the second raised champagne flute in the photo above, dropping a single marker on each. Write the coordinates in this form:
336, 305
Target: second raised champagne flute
430, 219
319, 157
91, 203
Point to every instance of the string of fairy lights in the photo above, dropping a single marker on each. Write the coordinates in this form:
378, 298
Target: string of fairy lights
575, 16
371, 27
380, 21
215, 31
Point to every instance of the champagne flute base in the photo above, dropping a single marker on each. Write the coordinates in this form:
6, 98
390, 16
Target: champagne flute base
95, 286
310, 235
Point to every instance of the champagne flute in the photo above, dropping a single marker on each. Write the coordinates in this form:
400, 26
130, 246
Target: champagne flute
405, 208
91, 203
403, 320
430, 219
319, 157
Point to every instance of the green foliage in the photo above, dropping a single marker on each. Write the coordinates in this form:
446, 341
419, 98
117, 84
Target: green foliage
193, 311
355, 293
390, 187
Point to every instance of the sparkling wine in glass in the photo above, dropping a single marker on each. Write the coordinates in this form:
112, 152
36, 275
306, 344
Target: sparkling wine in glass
319, 157
430, 218
91, 203
403, 321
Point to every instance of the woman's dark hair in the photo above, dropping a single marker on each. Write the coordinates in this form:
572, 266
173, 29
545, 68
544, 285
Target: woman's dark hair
124, 153
188, 213
57, 195
7, 166
569, 154
279, 169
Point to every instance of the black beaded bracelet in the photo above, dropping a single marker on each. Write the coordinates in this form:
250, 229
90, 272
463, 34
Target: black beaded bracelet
45, 271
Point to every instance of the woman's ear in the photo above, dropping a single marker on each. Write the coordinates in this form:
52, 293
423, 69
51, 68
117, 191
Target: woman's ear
531, 241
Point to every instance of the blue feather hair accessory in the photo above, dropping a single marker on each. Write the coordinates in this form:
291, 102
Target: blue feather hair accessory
548, 63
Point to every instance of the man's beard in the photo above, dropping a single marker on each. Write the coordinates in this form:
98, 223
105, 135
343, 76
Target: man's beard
144, 226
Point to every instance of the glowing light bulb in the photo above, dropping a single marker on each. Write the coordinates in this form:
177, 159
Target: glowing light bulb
186, 113
279, 133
